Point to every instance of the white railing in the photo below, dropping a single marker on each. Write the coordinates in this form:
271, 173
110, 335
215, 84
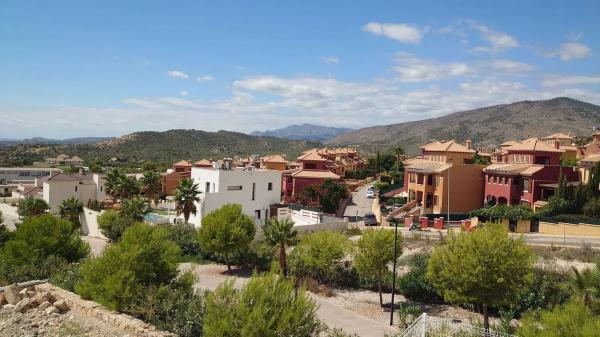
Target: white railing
429, 326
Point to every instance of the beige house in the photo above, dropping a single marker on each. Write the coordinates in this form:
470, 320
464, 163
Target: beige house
82, 187
63, 159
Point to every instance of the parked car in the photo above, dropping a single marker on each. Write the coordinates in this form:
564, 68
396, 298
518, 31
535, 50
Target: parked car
371, 220
370, 194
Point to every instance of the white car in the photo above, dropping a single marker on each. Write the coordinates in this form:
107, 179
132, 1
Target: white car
370, 194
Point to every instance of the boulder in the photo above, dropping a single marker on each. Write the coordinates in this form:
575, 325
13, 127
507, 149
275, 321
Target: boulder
52, 310
23, 305
11, 294
2, 299
44, 305
40, 298
61, 305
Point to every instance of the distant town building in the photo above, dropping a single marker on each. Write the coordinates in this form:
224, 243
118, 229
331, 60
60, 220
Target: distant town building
63, 159
254, 189
312, 171
276, 162
13, 177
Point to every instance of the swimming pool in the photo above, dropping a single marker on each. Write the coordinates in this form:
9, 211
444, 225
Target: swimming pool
156, 218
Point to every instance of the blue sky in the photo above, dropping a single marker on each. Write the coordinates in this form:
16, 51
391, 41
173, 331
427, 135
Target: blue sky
107, 68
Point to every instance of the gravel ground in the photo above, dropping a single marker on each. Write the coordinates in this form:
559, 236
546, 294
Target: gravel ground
36, 323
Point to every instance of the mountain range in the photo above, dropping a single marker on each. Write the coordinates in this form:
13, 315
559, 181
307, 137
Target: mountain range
489, 126
304, 132
40, 140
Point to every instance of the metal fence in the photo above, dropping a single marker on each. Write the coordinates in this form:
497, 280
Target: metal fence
428, 326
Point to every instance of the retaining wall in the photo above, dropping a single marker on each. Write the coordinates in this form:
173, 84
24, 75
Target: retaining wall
562, 228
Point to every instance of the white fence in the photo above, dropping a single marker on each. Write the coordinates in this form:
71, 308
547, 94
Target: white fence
429, 326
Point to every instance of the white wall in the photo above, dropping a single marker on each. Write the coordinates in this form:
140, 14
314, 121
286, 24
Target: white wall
57, 191
89, 223
221, 192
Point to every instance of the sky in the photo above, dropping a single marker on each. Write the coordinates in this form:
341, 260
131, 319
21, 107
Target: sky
109, 68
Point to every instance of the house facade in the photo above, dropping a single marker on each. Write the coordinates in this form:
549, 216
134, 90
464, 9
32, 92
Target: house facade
312, 171
528, 172
82, 187
63, 159
276, 162
443, 179
254, 189
170, 179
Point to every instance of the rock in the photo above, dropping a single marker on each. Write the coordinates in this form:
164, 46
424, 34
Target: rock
42, 297
23, 293
11, 294
44, 305
30, 293
23, 305
52, 310
61, 305
2, 299
8, 306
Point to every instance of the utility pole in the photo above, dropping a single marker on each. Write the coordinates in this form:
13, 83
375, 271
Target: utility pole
394, 272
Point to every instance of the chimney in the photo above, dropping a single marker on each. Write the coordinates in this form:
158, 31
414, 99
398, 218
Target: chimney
227, 163
557, 143
468, 143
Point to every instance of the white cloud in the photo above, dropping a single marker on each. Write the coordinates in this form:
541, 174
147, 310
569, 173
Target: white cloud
509, 66
569, 51
498, 41
410, 68
177, 74
330, 59
554, 81
401, 32
205, 78
183, 93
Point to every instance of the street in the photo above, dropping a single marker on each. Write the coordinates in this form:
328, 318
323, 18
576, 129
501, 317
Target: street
359, 206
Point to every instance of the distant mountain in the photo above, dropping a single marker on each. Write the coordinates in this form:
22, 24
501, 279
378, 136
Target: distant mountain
304, 132
485, 126
40, 140
186, 144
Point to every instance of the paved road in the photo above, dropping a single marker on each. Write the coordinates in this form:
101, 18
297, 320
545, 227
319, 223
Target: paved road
335, 316
533, 239
359, 205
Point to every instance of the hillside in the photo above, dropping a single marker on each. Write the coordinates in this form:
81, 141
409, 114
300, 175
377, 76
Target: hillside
304, 132
486, 126
40, 140
185, 144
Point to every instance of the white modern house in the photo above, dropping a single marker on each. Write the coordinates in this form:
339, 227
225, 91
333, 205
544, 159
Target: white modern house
59, 187
254, 189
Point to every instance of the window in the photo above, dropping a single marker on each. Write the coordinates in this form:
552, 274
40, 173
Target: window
75, 188
234, 188
207, 188
101, 188
526, 185
310, 166
430, 180
269, 186
257, 214
253, 193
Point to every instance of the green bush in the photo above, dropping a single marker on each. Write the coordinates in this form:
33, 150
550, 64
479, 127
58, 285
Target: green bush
414, 285
144, 257
175, 307
39, 247
5, 235
185, 235
592, 208
112, 224
381, 185
318, 255
548, 289
67, 277
226, 233
573, 319
267, 306
260, 256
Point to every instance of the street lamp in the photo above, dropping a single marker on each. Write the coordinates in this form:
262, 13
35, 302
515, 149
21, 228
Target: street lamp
395, 222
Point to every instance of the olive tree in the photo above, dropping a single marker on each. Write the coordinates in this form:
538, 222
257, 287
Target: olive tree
486, 267
374, 251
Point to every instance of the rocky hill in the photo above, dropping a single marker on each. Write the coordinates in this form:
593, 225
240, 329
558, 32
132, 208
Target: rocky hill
304, 132
486, 126
186, 144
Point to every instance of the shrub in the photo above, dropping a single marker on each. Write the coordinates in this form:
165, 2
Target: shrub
260, 255
318, 255
267, 306
144, 257
175, 307
592, 208
226, 233
5, 235
548, 289
381, 185
573, 319
67, 277
31, 206
415, 285
39, 247
185, 235
112, 224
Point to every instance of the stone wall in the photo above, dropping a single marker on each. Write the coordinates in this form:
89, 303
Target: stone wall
81, 307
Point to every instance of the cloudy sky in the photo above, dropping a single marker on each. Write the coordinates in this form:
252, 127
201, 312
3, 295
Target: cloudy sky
107, 68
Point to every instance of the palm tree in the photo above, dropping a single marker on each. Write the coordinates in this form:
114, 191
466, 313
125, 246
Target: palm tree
150, 184
128, 187
587, 283
186, 195
113, 182
31, 206
280, 233
70, 209
135, 209
398, 151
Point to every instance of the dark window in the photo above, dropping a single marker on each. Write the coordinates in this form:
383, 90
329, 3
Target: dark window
310, 166
430, 180
270, 186
75, 188
257, 213
207, 188
253, 194
234, 188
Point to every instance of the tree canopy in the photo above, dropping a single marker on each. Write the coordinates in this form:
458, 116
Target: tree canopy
30, 206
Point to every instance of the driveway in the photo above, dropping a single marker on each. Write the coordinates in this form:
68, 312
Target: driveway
335, 316
358, 206
9, 213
